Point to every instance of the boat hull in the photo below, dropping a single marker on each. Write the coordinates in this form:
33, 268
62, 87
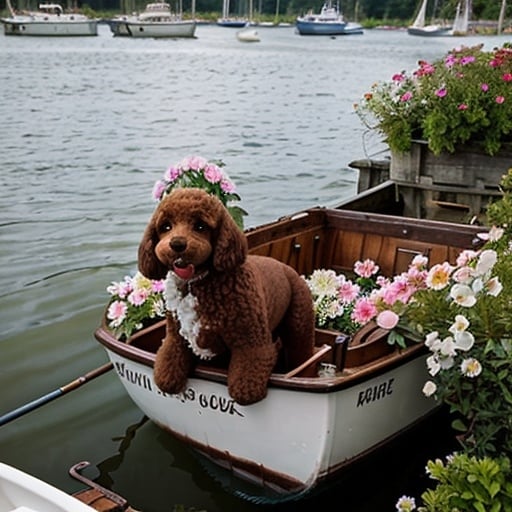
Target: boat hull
141, 29
232, 22
25, 26
430, 31
297, 439
21, 491
315, 28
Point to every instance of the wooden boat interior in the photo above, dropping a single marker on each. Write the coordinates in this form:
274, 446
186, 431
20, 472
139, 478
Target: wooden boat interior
334, 238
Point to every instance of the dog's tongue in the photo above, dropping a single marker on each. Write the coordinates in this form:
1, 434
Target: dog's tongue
185, 272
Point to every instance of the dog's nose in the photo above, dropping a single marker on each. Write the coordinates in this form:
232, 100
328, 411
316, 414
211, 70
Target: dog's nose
178, 244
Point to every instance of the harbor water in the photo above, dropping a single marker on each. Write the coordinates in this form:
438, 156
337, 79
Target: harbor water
86, 127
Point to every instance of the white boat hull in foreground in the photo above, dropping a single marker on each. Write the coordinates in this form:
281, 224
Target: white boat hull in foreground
292, 440
22, 492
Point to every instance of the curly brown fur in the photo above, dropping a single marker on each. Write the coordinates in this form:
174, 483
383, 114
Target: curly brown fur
243, 302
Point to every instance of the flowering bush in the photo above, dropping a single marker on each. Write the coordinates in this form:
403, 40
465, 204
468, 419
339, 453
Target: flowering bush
465, 97
197, 172
465, 484
467, 318
346, 305
135, 300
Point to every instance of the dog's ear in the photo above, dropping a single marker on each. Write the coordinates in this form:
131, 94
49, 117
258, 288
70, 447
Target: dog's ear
230, 248
149, 265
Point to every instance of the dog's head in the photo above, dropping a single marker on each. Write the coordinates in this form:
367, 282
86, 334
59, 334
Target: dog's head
190, 231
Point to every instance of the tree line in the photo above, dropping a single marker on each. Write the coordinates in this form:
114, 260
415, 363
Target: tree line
360, 10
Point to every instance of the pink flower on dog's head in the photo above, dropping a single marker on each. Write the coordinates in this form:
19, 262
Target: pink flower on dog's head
197, 172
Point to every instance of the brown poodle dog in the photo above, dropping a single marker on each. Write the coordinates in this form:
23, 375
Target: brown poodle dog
218, 298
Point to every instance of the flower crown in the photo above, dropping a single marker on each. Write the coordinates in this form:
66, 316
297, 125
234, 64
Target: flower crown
197, 172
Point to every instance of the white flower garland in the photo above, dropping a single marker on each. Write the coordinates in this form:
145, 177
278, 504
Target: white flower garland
183, 308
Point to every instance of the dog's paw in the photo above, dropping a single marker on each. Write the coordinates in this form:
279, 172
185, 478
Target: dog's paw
169, 382
245, 395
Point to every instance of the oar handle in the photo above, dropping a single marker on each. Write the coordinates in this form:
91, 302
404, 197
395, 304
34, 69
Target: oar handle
38, 402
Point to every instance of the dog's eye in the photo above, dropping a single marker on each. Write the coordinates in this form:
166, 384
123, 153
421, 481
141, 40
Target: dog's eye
201, 226
165, 226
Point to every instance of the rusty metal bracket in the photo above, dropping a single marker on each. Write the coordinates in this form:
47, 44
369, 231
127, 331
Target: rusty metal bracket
74, 471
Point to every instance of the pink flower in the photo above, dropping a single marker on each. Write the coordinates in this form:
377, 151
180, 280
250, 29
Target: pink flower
213, 173
138, 297
348, 292
467, 60
387, 319
366, 268
462, 106
117, 312
406, 96
227, 186
500, 99
158, 286
441, 93
484, 87
398, 77
194, 163
172, 173
364, 311
158, 190
507, 77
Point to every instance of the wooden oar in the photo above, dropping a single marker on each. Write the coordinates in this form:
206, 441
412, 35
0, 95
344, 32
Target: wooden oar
38, 402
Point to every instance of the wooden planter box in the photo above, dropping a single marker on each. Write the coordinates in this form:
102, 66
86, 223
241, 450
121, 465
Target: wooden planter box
466, 179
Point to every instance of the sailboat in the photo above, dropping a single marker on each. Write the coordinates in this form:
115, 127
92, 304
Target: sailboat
461, 23
227, 21
419, 28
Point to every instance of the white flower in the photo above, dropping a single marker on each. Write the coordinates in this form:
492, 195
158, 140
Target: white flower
323, 282
463, 295
432, 340
464, 340
461, 324
471, 367
486, 261
493, 235
429, 388
406, 504
494, 286
447, 347
433, 365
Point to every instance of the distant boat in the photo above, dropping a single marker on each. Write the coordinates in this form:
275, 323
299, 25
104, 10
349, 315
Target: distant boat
330, 22
231, 22
49, 20
461, 23
419, 28
248, 35
157, 20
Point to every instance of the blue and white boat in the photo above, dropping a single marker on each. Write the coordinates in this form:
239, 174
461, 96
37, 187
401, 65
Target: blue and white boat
330, 22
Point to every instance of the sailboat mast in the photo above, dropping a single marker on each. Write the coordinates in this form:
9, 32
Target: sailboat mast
502, 15
11, 10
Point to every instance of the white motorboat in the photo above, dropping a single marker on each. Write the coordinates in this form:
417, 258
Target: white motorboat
49, 20
157, 20
330, 22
